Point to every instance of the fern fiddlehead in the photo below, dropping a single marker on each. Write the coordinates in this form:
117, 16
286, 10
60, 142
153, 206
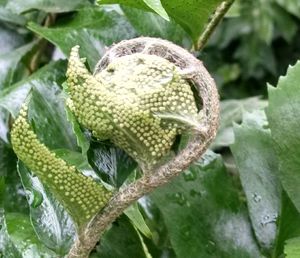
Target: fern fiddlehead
140, 102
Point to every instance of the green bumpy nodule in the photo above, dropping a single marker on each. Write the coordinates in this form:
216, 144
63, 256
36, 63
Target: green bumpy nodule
80, 195
123, 102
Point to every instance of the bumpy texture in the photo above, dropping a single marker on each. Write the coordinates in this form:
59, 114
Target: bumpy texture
139, 101
80, 195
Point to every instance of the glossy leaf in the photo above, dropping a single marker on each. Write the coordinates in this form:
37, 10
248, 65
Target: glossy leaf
7, 248
192, 15
232, 112
203, 213
9, 63
91, 28
82, 140
120, 241
48, 117
159, 244
24, 238
10, 38
8, 16
111, 163
283, 111
257, 164
134, 214
157, 7
13, 199
11, 99
51, 222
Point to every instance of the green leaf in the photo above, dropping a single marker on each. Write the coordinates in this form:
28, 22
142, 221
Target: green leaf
152, 25
12, 98
82, 140
203, 213
285, 23
49, 6
91, 28
232, 111
111, 163
8, 16
51, 222
9, 63
137, 219
192, 15
291, 6
10, 38
282, 113
14, 196
48, 117
120, 241
292, 248
157, 7
24, 238
287, 229
257, 164
7, 248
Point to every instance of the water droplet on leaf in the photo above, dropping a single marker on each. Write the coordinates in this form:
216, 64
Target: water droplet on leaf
268, 219
256, 198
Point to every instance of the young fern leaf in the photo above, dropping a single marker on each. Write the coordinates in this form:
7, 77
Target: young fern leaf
80, 195
120, 103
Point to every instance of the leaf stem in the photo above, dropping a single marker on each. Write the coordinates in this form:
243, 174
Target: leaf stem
42, 44
213, 23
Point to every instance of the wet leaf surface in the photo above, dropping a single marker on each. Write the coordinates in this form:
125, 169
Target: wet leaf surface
204, 214
282, 113
51, 222
258, 169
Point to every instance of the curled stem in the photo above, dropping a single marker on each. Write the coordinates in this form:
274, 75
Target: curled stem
198, 75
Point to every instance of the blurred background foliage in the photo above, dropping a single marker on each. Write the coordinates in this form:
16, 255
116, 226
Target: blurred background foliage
253, 46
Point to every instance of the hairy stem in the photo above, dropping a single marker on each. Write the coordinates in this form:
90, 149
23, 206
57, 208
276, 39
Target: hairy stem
198, 75
124, 198
215, 20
